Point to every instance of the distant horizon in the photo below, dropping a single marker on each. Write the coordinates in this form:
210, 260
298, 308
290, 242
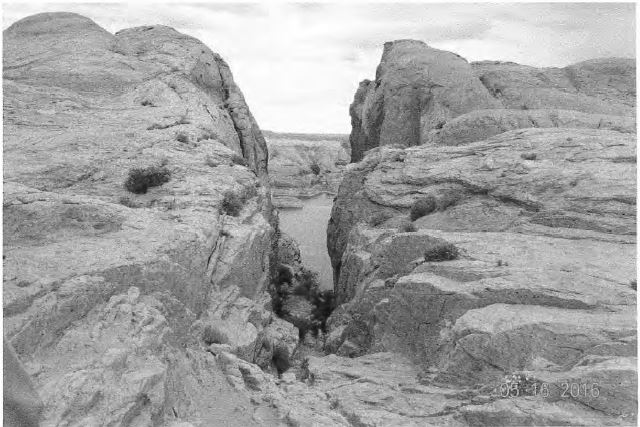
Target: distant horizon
299, 64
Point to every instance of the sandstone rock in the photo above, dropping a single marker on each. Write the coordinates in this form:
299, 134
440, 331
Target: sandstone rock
303, 165
417, 88
426, 96
382, 389
601, 86
482, 124
542, 216
82, 108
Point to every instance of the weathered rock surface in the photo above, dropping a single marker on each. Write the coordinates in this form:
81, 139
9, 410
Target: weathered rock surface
107, 293
423, 95
540, 206
303, 165
599, 86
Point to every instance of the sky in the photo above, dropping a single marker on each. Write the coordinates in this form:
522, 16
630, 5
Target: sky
299, 64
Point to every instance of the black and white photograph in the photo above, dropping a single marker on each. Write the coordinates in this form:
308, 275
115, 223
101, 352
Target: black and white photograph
318, 214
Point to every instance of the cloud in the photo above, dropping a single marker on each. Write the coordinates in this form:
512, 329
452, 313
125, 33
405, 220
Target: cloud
299, 64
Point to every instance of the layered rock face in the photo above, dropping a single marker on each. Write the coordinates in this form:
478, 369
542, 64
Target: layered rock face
304, 165
111, 298
423, 95
500, 253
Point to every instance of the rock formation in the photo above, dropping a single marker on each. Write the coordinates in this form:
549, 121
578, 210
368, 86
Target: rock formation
304, 165
151, 306
423, 95
111, 298
519, 271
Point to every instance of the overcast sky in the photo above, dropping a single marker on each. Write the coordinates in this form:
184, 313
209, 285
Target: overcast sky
299, 64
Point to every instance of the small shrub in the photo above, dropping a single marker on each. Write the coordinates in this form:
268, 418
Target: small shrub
284, 275
231, 204
443, 251
140, 180
182, 137
633, 285
324, 302
237, 159
422, 207
408, 228
308, 284
529, 156
378, 218
213, 335
315, 168
440, 124
305, 372
147, 103
280, 358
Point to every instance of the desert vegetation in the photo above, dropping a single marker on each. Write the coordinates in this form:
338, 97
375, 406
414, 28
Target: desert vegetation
422, 207
140, 180
233, 202
441, 251
213, 335
304, 284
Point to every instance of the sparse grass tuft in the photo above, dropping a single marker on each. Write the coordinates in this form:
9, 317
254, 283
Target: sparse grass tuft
529, 156
315, 168
281, 358
141, 179
182, 137
422, 207
441, 251
231, 204
147, 103
213, 335
633, 284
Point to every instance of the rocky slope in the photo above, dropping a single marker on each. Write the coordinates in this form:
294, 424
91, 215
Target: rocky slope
303, 165
111, 298
518, 271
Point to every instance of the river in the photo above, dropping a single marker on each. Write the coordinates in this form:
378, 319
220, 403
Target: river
308, 226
